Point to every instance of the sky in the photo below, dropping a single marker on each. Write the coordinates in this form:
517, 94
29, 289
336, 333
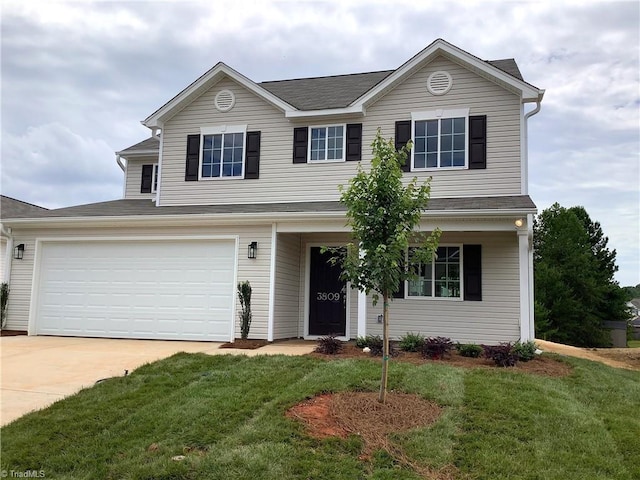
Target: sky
77, 77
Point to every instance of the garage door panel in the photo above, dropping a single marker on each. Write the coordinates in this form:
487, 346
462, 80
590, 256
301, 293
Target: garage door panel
163, 289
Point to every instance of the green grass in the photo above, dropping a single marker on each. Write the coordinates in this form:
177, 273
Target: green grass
633, 343
225, 414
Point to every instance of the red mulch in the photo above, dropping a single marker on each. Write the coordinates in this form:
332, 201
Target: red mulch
541, 365
245, 344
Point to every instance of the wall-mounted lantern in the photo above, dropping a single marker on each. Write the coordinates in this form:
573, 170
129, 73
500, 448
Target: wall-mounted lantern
251, 250
18, 252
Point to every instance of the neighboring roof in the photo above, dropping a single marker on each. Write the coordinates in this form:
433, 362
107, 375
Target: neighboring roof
346, 94
320, 93
149, 146
145, 207
12, 208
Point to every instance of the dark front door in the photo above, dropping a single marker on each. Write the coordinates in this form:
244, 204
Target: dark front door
327, 296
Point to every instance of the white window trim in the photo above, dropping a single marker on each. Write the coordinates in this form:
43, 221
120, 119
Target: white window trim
344, 144
440, 114
154, 178
433, 280
216, 130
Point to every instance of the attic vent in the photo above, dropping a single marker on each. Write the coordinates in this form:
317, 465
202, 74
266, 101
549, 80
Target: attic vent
439, 82
225, 100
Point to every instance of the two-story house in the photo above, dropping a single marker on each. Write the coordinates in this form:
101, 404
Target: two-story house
239, 181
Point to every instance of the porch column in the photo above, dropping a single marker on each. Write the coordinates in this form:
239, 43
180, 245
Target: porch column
272, 281
525, 287
362, 314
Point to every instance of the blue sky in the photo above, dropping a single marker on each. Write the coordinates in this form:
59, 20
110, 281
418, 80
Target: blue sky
77, 78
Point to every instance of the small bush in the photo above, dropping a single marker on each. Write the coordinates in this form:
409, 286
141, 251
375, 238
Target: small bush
525, 351
502, 355
376, 344
329, 345
362, 342
411, 342
436, 347
469, 350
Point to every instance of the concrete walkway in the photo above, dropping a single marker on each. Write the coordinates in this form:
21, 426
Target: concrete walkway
37, 371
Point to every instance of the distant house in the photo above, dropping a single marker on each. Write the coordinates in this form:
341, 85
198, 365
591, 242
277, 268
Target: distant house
634, 321
239, 181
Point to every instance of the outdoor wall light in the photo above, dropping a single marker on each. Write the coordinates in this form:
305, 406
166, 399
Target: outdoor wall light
18, 252
251, 250
519, 222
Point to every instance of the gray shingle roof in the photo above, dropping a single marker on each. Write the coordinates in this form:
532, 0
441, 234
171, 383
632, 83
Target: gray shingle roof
143, 207
507, 65
12, 208
320, 93
151, 144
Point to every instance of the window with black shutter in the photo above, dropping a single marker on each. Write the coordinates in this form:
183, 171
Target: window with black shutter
252, 163
146, 183
478, 142
354, 142
472, 255
403, 135
193, 158
300, 138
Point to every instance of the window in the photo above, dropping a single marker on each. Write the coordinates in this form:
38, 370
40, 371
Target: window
154, 175
440, 278
440, 139
222, 152
327, 143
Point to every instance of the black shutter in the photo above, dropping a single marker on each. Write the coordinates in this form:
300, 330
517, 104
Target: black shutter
354, 142
193, 158
478, 142
403, 135
400, 292
300, 136
252, 157
472, 257
147, 179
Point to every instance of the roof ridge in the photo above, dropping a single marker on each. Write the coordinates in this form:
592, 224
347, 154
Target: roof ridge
23, 202
327, 76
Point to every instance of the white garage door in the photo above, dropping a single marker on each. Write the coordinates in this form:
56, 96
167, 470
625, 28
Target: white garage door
173, 290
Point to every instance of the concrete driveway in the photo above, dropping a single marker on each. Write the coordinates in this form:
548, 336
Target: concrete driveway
37, 371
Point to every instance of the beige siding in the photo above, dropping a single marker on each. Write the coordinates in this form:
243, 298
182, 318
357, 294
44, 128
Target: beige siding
133, 178
482, 97
495, 319
282, 181
3, 253
287, 283
254, 270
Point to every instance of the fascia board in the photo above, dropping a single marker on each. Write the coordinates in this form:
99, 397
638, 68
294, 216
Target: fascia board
353, 110
529, 93
182, 99
139, 153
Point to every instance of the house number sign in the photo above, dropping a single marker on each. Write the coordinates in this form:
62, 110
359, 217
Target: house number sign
328, 296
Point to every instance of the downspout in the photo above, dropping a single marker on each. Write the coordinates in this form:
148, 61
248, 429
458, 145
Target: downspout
6, 232
525, 149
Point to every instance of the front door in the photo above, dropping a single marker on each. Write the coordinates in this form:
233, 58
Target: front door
327, 296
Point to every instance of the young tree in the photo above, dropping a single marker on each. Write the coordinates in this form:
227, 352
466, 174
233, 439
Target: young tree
384, 216
574, 286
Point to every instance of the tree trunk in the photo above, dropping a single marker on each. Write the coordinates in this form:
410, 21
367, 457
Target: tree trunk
382, 398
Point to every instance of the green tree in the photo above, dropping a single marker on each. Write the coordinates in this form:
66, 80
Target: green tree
384, 216
574, 286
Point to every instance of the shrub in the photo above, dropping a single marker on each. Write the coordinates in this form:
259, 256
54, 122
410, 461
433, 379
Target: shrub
502, 355
436, 347
244, 294
411, 342
362, 342
525, 351
4, 298
376, 344
329, 345
469, 350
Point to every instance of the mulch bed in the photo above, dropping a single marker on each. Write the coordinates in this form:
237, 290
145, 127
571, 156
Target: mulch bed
245, 344
541, 365
12, 333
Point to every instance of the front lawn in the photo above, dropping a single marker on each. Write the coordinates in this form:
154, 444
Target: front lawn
225, 415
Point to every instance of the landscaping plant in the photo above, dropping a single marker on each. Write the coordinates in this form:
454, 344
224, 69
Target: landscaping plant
411, 342
469, 350
525, 351
244, 294
502, 355
436, 347
4, 298
329, 345
384, 217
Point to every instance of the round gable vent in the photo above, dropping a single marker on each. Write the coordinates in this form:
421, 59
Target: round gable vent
225, 100
439, 82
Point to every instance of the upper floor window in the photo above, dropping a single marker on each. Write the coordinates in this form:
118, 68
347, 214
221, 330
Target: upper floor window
327, 143
222, 152
440, 139
154, 184
440, 278
149, 180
